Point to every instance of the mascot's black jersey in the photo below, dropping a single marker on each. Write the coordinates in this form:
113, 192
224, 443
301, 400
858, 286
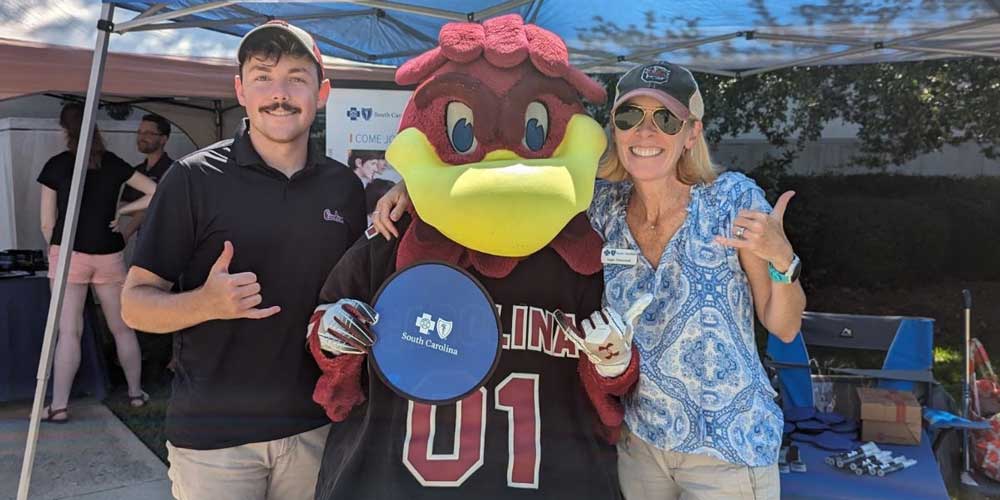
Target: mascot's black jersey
530, 432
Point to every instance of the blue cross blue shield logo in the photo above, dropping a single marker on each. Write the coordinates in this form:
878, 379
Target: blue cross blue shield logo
438, 333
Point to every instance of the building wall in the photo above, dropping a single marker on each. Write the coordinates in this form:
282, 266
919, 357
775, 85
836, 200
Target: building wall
833, 156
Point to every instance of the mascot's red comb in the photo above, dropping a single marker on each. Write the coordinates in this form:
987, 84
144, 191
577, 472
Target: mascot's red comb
504, 42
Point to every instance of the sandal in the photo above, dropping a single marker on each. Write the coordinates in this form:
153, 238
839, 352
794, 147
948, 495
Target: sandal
52, 413
138, 401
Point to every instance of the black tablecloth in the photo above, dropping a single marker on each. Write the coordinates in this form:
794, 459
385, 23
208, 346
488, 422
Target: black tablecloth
24, 304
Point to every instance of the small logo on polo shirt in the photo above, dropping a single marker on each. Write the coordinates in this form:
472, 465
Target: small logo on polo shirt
332, 216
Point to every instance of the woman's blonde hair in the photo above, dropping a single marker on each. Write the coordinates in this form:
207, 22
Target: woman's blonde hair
693, 167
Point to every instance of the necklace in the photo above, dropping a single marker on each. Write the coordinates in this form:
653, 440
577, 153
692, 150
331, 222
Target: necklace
636, 211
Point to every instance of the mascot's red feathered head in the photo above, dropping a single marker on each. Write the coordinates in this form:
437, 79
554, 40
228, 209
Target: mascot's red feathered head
495, 147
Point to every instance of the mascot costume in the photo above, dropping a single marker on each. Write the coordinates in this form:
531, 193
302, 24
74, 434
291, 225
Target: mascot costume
499, 158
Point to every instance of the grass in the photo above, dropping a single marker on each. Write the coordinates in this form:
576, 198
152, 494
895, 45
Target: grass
146, 422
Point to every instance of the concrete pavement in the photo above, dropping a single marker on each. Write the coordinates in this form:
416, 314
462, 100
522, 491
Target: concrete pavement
92, 457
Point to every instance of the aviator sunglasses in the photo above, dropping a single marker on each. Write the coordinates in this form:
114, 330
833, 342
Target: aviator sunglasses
629, 116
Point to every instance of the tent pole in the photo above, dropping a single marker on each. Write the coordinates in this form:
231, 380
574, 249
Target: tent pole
66, 244
942, 50
637, 56
412, 9
891, 44
152, 10
498, 9
166, 16
857, 43
809, 61
251, 18
537, 7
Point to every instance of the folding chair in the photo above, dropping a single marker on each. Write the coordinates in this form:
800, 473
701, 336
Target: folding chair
908, 344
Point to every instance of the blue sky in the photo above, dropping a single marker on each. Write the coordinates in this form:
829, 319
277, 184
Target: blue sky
72, 22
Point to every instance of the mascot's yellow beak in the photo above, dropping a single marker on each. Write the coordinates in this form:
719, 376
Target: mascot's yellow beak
505, 205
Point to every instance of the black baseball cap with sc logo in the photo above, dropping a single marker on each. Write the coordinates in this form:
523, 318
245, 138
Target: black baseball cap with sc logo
671, 84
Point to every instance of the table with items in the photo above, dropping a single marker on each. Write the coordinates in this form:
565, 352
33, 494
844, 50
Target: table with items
823, 457
24, 304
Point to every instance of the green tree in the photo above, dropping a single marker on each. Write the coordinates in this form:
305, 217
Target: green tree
902, 110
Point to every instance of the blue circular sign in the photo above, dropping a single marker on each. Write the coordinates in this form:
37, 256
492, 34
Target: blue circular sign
437, 334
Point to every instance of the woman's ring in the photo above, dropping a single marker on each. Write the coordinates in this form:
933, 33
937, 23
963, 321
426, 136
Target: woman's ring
375, 213
739, 232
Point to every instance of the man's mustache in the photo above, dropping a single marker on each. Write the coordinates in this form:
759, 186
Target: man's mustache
284, 106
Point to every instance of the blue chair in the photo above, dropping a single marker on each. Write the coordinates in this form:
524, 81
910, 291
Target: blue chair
908, 344
907, 341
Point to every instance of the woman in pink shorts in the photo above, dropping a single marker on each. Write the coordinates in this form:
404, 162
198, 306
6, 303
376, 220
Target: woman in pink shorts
97, 255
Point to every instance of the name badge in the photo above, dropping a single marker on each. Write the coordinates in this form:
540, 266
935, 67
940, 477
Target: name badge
620, 256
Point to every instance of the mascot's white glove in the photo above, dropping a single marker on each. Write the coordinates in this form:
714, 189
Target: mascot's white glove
607, 336
345, 327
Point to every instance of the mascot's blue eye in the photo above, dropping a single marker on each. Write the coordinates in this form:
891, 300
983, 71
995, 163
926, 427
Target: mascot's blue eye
536, 126
461, 136
461, 127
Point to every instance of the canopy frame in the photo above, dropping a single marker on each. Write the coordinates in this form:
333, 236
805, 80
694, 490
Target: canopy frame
154, 19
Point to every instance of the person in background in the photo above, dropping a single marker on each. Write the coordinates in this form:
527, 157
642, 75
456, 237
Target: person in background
97, 255
151, 139
702, 421
367, 164
253, 226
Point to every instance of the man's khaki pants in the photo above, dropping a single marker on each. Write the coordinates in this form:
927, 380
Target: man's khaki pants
649, 473
283, 469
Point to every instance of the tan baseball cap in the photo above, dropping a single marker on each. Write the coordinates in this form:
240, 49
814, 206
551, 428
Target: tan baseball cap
299, 34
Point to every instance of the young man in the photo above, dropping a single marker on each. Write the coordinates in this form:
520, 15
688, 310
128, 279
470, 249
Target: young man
253, 225
151, 138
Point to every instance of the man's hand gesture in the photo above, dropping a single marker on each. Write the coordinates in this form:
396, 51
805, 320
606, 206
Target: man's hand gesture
233, 296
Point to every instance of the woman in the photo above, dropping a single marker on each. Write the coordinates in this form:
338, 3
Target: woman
97, 255
702, 422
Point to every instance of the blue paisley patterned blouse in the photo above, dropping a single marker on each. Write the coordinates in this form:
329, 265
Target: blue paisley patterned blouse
702, 388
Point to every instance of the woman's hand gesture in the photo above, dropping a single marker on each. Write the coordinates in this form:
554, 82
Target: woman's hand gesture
763, 234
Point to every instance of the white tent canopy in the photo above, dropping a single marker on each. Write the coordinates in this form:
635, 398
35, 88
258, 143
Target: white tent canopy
195, 93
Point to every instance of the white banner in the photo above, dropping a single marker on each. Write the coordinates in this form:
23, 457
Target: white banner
362, 120
360, 124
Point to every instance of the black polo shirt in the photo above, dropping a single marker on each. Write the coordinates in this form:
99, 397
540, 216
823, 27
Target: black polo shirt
243, 381
155, 172
99, 205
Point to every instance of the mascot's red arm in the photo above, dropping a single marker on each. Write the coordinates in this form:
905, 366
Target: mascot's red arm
339, 388
605, 393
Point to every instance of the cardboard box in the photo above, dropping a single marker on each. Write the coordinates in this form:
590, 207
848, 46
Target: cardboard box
889, 416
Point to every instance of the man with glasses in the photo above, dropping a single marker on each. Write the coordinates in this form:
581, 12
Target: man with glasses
151, 139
